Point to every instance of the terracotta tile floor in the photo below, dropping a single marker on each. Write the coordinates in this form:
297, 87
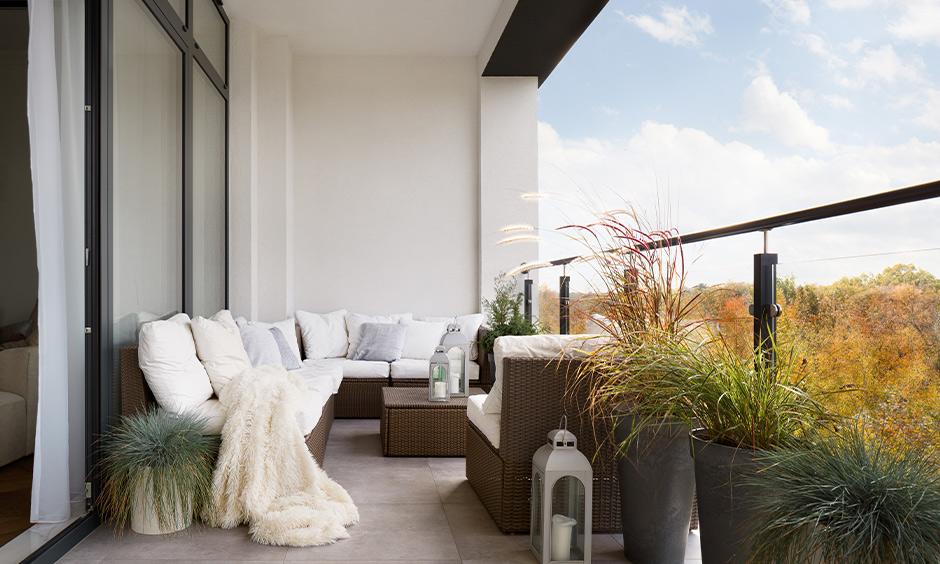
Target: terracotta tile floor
411, 510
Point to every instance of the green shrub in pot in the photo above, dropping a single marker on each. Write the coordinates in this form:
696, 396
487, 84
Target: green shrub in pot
847, 498
157, 468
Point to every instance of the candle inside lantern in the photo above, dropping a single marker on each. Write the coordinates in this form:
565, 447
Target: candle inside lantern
562, 527
440, 389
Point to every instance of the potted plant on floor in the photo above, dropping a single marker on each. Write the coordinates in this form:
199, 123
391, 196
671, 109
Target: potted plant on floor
745, 408
847, 498
503, 317
157, 469
647, 315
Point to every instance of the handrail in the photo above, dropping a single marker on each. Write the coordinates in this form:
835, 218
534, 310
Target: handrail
907, 195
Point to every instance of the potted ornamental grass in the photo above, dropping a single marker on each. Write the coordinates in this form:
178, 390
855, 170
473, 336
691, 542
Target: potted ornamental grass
744, 408
647, 316
847, 498
157, 471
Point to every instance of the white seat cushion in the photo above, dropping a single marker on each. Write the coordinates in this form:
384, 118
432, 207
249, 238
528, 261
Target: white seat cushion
414, 368
355, 368
534, 346
315, 369
167, 357
410, 368
309, 414
487, 423
213, 413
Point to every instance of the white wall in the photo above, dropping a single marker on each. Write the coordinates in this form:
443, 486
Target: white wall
508, 169
20, 278
379, 208
386, 184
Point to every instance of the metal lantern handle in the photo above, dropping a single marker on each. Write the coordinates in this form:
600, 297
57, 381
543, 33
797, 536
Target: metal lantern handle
563, 423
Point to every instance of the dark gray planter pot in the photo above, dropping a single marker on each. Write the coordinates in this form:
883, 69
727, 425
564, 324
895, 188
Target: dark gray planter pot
723, 502
657, 484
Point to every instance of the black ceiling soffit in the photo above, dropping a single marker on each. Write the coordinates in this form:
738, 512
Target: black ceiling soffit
539, 34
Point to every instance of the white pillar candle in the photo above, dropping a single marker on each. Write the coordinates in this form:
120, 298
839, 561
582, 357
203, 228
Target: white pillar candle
440, 389
562, 527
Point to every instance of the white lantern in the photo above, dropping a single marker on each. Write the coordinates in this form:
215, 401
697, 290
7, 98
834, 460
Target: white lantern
457, 348
438, 389
561, 500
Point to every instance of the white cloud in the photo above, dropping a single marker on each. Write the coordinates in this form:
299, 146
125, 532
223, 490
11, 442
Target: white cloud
838, 102
855, 45
819, 46
884, 65
919, 22
768, 110
929, 116
610, 111
849, 4
794, 11
677, 26
696, 182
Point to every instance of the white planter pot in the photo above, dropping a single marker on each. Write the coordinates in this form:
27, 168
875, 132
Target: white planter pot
143, 516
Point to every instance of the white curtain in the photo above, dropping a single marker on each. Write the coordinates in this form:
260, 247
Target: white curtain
50, 495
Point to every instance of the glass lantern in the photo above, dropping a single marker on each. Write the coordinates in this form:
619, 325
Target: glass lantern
561, 500
457, 348
438, 388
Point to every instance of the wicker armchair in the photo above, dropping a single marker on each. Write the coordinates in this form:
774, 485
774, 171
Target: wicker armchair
533, 400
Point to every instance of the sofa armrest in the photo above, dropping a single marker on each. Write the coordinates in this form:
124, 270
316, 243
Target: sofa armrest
134, 393
19, 374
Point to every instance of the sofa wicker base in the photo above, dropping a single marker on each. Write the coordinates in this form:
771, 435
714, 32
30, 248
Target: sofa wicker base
360, 398
411, 425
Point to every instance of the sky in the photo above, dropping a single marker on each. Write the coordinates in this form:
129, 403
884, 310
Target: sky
710, 113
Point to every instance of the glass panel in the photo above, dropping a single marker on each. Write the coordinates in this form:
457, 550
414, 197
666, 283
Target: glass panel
147, 177
535, 523
208, 196
179, 6
209, 32
567, 536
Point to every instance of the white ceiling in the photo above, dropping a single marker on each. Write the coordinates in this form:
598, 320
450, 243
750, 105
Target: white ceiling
440, 28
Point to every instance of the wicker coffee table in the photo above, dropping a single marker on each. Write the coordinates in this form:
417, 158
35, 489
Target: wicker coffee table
411, 425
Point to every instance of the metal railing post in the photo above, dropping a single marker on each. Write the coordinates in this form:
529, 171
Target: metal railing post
527, 299
765, 309
564, 301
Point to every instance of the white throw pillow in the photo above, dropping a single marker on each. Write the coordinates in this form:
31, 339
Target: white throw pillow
289, 331
219, 347
167, 357
354, 323
324, 334
469, 326
422, 337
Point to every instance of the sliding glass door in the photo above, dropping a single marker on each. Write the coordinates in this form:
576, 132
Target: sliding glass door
164, 182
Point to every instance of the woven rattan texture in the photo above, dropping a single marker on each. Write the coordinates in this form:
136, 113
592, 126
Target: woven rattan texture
534, 399
136, 395
360, 398
411, 425
316, 440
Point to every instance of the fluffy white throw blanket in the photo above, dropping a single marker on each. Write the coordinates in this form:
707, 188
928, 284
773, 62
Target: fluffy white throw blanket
265, 475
